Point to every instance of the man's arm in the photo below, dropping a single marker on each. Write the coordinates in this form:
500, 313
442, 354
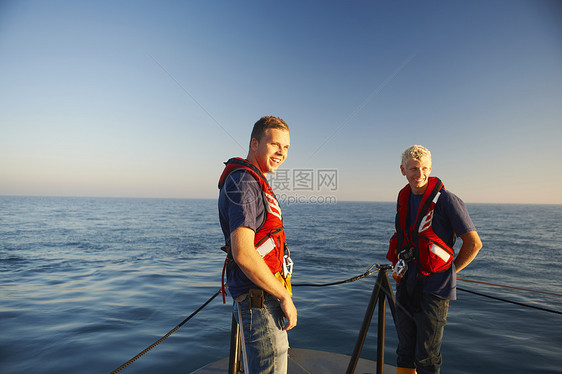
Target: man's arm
255, 268
471, 245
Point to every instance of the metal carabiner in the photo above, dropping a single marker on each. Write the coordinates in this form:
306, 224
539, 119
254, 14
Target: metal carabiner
287, 265
399, 270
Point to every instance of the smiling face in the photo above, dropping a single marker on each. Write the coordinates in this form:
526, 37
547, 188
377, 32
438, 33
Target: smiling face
417, 173
270, 151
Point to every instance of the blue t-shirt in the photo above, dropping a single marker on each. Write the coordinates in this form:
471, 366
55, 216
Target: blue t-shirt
450, 220
240, 205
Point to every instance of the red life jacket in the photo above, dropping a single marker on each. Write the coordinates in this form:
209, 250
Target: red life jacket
432, 253
270, 236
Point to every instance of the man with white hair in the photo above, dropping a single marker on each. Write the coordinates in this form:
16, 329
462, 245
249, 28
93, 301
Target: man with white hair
429, 218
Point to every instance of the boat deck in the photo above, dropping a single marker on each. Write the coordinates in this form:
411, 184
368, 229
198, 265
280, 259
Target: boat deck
306, 361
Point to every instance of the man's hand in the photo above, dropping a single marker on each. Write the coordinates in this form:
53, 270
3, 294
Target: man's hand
255, 268
290, 313
471, 245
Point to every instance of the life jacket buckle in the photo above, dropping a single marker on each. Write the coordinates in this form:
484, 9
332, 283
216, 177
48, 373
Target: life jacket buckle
408, 255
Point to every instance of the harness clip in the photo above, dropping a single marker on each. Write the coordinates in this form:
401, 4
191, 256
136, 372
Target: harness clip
399, 270
287, 266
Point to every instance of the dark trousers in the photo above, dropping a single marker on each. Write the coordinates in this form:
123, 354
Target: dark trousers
420, 322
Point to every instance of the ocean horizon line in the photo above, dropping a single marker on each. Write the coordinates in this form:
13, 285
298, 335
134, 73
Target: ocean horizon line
293, 203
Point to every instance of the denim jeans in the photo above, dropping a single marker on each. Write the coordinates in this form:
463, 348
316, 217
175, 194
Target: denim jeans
420, 326
267, 344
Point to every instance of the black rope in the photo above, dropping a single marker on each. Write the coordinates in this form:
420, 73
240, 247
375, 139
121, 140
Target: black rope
510, 301
365, 274
165, 336
512, 287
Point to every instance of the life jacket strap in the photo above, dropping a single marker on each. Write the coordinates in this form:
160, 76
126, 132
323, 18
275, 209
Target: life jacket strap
226, 260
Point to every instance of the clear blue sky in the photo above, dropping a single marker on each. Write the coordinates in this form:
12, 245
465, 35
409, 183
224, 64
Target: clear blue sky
148, 98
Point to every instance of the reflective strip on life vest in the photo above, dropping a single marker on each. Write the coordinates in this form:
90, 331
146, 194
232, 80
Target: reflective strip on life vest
436, 197
266, 247
440, 252
428, 219
272, 205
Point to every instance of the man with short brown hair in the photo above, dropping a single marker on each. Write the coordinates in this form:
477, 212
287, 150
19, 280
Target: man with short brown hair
259, 267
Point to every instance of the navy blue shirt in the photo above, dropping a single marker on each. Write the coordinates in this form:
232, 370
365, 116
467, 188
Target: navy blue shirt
240, 205
451, 219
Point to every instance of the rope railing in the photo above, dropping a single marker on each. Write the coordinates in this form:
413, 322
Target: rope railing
510, 301
165, 336
511, 287
353, 279
365, 274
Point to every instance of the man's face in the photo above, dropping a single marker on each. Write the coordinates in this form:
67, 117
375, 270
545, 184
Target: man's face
417, 173
271, 151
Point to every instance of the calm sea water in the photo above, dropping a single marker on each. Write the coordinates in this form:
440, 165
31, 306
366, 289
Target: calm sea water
87, 283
